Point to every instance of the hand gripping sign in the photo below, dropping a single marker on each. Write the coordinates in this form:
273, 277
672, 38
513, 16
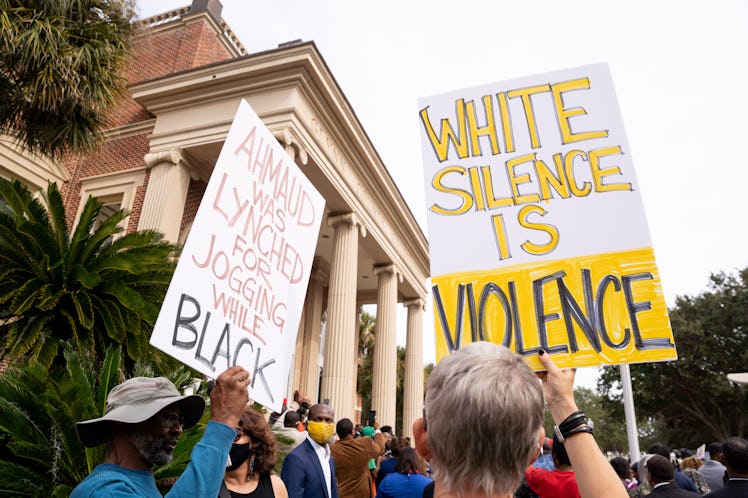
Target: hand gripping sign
239, 287
537, 231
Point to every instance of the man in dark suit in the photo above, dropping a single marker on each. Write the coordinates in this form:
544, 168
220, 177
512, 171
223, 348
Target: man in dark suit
309, 470
681, 479
735, 457
661, 473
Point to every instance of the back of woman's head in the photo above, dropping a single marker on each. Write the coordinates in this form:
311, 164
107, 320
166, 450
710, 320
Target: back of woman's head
467, 393
622, 467
691, 463
408, 461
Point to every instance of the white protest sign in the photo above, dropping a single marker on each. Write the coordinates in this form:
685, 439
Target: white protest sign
537, 232
701, 452
238, 290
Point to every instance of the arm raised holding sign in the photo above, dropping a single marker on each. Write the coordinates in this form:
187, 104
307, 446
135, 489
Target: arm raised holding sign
595, 476
229, 398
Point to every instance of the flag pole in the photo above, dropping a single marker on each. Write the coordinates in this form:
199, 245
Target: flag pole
628, 410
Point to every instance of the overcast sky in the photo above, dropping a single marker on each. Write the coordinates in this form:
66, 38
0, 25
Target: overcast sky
678, 68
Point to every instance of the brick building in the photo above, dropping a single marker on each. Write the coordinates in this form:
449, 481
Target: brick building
186, 79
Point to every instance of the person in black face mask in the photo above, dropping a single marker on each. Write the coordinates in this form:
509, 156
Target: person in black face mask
251, 461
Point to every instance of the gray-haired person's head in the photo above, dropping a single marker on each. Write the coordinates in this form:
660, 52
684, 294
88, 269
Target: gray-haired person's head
484, 408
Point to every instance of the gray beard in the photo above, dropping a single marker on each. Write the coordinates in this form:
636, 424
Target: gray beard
151, 448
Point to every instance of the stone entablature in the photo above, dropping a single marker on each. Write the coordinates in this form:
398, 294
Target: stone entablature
295, 95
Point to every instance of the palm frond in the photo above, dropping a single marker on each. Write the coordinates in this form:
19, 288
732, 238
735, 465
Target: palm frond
58, 222
16, 480
62, 62
26, 296
111, 319
23, 334
46, 350
83, 309
109, 376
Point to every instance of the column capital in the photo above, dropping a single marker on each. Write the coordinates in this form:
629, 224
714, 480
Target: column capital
335, 219
320, 270
174, 156
293, 148
418, 302
379, 269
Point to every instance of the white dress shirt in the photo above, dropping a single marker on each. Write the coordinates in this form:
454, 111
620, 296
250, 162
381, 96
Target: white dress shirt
323, 453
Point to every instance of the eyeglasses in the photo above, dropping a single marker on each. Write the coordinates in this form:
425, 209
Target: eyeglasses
171, 419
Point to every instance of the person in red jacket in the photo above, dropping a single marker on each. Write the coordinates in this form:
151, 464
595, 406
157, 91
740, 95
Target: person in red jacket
559, 483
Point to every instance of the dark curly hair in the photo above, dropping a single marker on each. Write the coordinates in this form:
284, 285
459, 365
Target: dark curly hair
263, 446
397, 445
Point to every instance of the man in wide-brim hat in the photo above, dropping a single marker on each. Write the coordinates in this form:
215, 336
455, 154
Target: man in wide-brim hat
141, 425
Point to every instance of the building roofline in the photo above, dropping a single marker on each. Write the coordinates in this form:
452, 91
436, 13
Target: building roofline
167, 20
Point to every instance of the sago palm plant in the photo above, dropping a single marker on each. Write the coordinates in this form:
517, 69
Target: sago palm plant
40, 454
89, 288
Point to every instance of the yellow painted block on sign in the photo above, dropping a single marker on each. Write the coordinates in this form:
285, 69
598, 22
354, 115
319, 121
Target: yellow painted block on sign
584, 311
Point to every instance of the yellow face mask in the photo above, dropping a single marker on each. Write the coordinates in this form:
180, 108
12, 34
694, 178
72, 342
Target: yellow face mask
321, 432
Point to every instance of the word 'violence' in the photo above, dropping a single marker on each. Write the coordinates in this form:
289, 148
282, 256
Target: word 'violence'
591, 321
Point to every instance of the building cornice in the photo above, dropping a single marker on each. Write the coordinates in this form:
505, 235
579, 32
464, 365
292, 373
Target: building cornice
32, 169
298, 74
129, 130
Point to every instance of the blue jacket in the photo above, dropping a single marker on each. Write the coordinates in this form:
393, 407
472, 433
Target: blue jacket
202, 477
399, 485
302, 474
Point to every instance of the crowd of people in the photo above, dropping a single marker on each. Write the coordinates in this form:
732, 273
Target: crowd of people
496, 448
659, 473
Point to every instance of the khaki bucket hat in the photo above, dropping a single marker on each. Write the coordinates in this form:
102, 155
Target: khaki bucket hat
137, 400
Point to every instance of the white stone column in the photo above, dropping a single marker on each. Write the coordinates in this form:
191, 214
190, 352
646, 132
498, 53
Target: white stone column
338, 376
294, 378
309, 351
413, 378
165, 196
384, 374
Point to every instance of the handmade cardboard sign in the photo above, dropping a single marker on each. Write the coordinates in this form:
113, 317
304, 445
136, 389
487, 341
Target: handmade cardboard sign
239, 287
537, 231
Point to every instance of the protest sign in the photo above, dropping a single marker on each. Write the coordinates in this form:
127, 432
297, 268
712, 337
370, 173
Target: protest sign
537, 232
239, 287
